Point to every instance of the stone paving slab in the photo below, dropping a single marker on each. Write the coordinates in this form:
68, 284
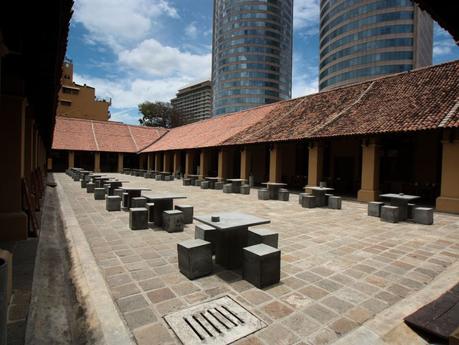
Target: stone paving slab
340, 268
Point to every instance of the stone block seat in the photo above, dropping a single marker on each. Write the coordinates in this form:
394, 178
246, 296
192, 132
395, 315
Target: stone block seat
124, 200
151, 212
83, 183
90, 187
138, 218
167, 178
207, 233
259, 235
187, 211
423, 215
263, 194
301, 196
245, 189
205, 184
219, 185
334, 202
113, 203
309, 201
138, 201
118, 192
194, 258
99, 193
173, 221
389, 214
186, 181
198, 182
374, 208
227, 188
261, 265
158, 177
284, 194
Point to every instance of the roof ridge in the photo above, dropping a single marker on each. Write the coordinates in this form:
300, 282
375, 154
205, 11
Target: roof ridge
94, 134
154, 141
133, 139
450, 114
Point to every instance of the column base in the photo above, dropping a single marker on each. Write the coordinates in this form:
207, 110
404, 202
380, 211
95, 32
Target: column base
367, 195
13, 226
446, 204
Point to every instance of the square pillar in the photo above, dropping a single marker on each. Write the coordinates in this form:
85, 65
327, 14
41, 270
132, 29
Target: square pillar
149, 161
49, 164
97, 162
204, 163
275, 163
158, 161
71, 159
13, 220
189, 162
141, 161
177, 163
370, 171
120, 162
167, 161
223, 163
315, 163
448, 201
245, 162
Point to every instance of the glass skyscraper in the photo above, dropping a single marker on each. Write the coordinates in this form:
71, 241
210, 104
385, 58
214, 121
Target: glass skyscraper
364, 39
251, 53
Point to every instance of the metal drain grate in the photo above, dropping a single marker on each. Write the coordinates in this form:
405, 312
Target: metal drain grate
218, 322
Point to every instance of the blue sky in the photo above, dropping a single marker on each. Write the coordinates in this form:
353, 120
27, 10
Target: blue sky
137, 50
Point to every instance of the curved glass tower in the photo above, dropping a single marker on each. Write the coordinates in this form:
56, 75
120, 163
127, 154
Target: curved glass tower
251, 53
363, 39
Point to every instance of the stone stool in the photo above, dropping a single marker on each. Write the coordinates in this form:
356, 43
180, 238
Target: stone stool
138, 218
245, 189
309, 201
423, 215
205, 185
197, 182
261, 265
262, 235
207, 233
173, 221
113, 203
107, 189
301, 196
171, 178
219, 185
284, 194
410, 211
99, 193
138, 201
118, 192
334, 202
194, 258
167, 178
227, 188
389, 214
83, 183
263, 194
186, 182
90, 187
322, 184
151, 211
327, 196
374, 208
187, 211
158, 177
124, 200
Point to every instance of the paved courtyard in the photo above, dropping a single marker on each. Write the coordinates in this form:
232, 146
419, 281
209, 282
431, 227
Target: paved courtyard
340, 268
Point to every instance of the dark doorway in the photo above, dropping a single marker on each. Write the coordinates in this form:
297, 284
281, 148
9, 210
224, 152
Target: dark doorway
84, 160
131, 160
108, 161
60, 160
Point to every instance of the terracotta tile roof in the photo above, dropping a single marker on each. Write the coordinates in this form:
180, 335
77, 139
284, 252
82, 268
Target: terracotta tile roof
210, 132
86, 135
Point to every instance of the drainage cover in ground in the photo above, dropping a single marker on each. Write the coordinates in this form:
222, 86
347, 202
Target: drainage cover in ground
218, 322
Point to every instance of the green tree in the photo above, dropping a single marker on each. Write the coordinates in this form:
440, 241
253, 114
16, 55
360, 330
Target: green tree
158, 114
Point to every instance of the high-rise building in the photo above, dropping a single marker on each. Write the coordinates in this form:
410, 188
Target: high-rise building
363, 39
80, 101
251, 53
194, 102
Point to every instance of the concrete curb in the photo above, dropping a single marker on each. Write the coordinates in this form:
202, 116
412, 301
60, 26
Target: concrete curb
89, 283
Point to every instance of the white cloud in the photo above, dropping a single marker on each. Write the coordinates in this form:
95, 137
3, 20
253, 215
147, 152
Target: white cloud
191, 30
443, 47
306, 16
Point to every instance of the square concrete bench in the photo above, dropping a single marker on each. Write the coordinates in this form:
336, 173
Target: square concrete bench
138, 201
151, 212
374, 208
245, 189
389, 214
158, 177
99, 193
261, 265
194, 258
197, 182
107, 189
207, 233
173, 221
334, 202
258, 235
187, 211
309, 201
118, 192
410, 211
90, 187
227, 188
263, 194
138, 218
124, 200
423, 215
284, 194
205, 184
113, 203
219, 185
83, 183
186, 182
301, 196
167, 178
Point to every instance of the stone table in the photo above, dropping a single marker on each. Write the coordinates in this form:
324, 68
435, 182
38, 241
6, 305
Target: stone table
163, 202
319, 193
232, 231
236, 184
401, 201
273, 189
